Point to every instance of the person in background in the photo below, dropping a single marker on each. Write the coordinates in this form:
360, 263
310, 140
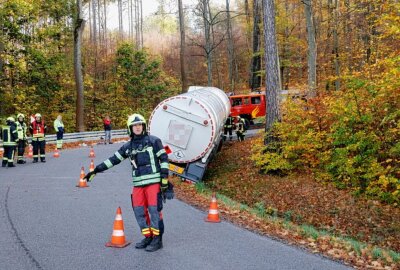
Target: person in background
59, 128
10, 136
240, 128
22, 140
228, 127
38, 130
107, 130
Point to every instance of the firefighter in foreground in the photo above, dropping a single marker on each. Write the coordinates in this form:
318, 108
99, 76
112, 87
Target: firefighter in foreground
150, 180
240, 128
21, 142
38, 129
10, 136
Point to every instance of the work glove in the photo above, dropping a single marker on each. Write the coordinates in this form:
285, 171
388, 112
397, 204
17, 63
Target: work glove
164, 185
169, 193
89, 177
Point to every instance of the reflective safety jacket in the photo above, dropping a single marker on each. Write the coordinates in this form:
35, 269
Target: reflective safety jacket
58, 126
229, 122
9, 134
21, 130
38, 129
148, 158
240, 126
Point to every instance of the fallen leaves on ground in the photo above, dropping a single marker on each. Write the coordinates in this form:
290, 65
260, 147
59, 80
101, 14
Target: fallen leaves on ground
300, 200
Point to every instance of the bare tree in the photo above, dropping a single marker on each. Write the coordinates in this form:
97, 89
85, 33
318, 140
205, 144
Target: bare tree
231, 53
94, 9
312, 49
255, 65
141, 24
272, 80
120, 26
212, 38
183, 47
78, 29
208, 38
335, 51
105, 25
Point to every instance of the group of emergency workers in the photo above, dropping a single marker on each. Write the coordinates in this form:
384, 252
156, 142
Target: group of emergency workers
147, 156
14, 135
235, 123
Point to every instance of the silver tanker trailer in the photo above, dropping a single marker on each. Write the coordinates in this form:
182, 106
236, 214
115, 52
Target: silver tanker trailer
190, 126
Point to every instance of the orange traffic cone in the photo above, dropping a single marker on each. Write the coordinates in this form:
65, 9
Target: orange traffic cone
118, 236
91, 154
30, 151
91, 167
56, 153
82, 182
213, 213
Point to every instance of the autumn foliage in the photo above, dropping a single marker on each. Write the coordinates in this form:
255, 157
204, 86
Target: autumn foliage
350, 137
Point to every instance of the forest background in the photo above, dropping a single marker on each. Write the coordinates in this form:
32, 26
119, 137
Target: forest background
344, 55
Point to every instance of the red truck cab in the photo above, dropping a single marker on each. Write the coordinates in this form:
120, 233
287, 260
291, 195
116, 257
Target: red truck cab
248, 106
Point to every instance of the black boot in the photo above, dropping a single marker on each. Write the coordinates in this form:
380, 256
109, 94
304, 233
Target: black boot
156, 244
21, 161
11, 164
42, 160
144, 243
4, 163
35, 160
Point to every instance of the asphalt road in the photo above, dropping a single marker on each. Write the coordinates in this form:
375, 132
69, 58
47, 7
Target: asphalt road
48, 223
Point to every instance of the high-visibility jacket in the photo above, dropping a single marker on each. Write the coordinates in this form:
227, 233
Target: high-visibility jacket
10, 135
38, 129
21, 130
148, 158
229, 122
241, 126
58, 126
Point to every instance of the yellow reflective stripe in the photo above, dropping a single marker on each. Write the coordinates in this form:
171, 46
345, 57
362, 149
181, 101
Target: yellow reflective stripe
159, 153
145, 182
146, 230
118, 155
164, 165
108, 163
152, 161
148, 176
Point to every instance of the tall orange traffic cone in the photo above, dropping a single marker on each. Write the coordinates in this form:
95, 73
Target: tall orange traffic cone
91, 154
82, 182
56, 153
30, 151
118, 235
91, 167
213, 213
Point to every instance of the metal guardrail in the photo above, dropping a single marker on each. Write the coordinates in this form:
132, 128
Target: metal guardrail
82, 136
98, 135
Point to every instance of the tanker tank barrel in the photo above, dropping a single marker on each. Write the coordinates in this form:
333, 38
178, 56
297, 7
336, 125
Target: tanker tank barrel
191, 124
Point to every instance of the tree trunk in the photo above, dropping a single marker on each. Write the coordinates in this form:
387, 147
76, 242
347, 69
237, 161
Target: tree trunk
208, 47
105, 26
272, 80
120, 27
141, 25
312, 49
183, 47
336, 45
231, 55
79, 25
94, 9
255, 65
